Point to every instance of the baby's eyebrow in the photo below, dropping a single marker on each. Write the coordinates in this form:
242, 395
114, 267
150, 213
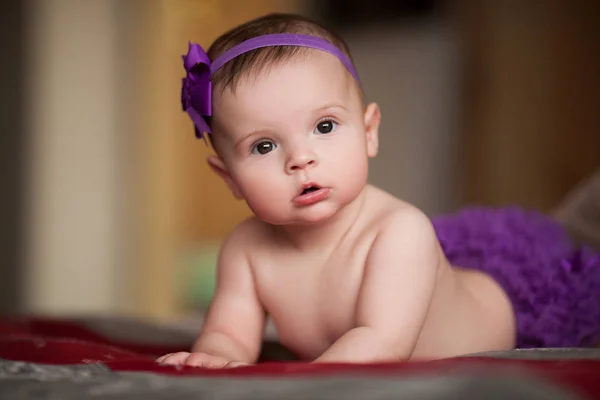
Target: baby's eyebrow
330, 107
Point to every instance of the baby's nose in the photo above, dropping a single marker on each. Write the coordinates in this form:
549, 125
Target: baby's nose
301, 161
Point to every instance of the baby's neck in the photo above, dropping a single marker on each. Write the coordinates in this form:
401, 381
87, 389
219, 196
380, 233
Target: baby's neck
325, 234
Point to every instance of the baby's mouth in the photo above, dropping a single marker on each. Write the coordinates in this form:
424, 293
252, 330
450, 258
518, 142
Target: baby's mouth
309, 189
311, 194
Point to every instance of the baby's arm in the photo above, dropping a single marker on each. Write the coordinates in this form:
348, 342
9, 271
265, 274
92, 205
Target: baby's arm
396, 291
234, 324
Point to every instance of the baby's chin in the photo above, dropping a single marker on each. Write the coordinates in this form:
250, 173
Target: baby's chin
299, 216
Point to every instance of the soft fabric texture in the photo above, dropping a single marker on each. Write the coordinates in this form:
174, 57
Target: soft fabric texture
87, 363
554, 286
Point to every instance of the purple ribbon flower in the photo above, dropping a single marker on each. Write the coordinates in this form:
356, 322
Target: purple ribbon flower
196, 88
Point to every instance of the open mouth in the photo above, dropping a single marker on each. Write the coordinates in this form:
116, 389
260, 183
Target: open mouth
311, 194
309, 189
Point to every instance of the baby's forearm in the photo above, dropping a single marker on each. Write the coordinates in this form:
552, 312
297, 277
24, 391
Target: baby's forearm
222, 345
362, 345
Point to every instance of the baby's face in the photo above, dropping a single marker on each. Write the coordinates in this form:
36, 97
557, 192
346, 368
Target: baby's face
298, 124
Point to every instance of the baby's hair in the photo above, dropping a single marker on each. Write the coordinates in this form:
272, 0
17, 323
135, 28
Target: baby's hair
230, 73
254, 61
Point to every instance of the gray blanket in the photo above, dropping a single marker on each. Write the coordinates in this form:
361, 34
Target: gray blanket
27, 381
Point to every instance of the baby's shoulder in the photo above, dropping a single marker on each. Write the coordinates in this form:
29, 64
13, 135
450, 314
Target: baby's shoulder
250, 238
249, 231
390, 214
403, 229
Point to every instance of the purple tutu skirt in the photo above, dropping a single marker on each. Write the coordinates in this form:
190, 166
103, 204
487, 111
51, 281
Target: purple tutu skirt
553, 285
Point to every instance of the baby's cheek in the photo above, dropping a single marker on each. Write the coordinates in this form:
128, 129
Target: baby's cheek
267, 208
263, 194
353, 177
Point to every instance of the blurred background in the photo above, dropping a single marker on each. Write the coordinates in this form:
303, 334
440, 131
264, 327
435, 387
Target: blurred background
107, 206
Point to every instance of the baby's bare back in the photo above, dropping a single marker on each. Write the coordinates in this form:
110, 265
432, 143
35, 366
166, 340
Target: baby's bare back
312, 296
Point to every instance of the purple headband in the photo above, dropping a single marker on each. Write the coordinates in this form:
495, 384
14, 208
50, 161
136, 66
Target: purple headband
196, 89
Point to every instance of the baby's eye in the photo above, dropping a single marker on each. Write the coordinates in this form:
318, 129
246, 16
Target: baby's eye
263, 147
325, 127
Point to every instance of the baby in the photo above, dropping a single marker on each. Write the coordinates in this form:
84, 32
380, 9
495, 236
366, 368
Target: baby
346, 272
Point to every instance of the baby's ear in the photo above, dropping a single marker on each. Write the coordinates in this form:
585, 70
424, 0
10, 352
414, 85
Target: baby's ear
372, 121
218, 166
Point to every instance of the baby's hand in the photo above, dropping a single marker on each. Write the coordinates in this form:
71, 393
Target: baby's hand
198, 360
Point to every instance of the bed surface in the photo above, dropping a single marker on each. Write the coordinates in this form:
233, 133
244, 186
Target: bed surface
113, 359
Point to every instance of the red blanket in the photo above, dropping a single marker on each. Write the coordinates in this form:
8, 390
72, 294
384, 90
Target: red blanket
50, 341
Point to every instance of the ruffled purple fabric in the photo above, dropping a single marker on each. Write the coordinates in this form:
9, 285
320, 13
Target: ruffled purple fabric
553, 285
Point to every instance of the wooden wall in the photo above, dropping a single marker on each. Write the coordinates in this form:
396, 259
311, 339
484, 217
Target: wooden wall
532, 89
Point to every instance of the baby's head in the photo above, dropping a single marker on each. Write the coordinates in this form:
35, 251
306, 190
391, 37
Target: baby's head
284, 116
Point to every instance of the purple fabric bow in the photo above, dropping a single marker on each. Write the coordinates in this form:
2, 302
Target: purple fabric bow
196, 88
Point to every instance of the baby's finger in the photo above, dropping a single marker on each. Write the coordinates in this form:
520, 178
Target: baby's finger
235, 364
162, 358
175, 358
205, 361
